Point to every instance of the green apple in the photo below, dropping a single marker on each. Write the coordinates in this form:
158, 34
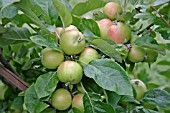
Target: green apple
70, 71
72, 42
139, 87
78, 102
87, 55
61, 99
51, 58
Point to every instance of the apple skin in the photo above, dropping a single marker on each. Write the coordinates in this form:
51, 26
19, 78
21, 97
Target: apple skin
140, 88
61, 30
61, 99
136, 54
151, 55
119, 33
87, 55
112, 10
104, 26
51, 58
70, 71
3, 89
78, 102
72, 42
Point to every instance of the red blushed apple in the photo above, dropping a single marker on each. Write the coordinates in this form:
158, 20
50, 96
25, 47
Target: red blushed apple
104, 26
119, 33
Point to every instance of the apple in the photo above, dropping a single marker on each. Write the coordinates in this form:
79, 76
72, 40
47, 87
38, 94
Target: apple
79, 88
61, 99
70, 71
51, 58
151, 55
87, 55
119, 33
78, 102
104, 26
112, 10
58, 31
136, 54
139, 87
72, 42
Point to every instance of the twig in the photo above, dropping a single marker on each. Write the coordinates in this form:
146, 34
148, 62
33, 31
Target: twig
5, 62
140, 32
160, 16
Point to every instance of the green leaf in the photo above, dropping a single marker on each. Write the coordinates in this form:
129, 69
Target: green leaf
32, 102
74, 110
159, 2
165, 73
108, 75
15, 35
157, 97
91, 106
112, 98
4, 3
107, 49
9, 12
164, 63
25, 6
17, 103
85, 7
64, 13
127, 99
46, 41
46, 84
29, 63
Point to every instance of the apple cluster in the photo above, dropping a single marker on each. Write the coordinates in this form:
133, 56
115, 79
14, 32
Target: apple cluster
120, 33
69, 71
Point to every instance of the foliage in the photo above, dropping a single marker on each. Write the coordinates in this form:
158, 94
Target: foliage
28, 26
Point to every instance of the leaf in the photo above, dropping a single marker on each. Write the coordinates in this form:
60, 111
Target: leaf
91, 106
108, 75
157, 97
159, 2
46, 84
24, 6
46, 41
127, 98
107, 49
74, 110
15, 35
5, 3
112, 98
85, 7
91, 25
29, 63
32, 102
64, 13
165, 73
17, 103
9, 12
164, 63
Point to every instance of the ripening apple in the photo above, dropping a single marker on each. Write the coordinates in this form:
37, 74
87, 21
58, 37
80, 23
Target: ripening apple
87, 55
51, 58
61, 99
136, 54
139, 88
70, 71
72, 42
78, 102
112, 10
58, 31
151, 55
104, 26
119, 33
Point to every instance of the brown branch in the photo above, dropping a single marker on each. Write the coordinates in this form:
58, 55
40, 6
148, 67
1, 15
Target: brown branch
160, 16
12, 79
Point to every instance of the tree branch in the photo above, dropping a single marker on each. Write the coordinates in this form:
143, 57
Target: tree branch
160, 16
